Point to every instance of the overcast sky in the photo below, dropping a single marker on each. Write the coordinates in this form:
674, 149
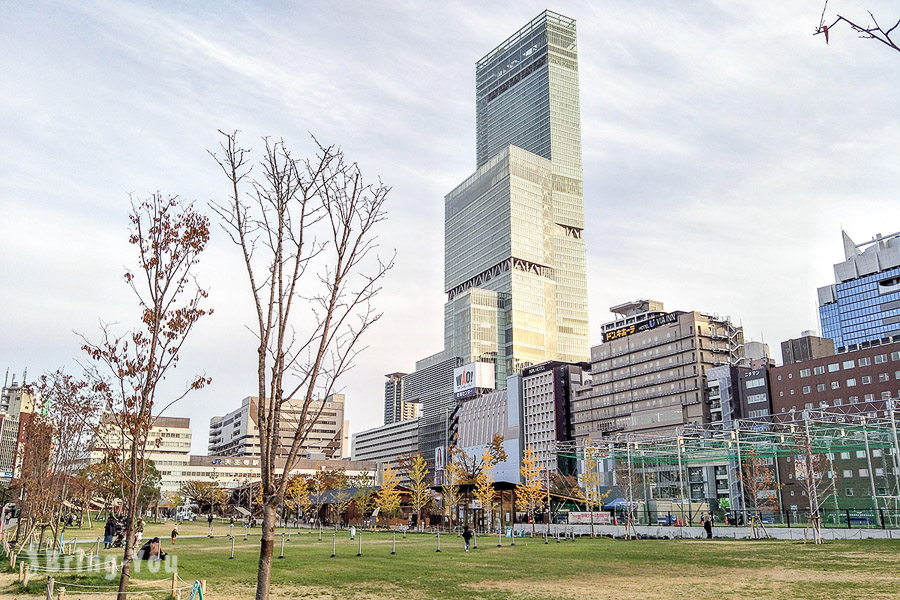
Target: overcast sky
724, 149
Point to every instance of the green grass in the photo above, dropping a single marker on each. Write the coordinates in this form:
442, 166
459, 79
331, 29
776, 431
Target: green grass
599, 568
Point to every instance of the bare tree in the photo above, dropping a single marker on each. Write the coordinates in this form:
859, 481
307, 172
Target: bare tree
873, 32
306, 231
629, 482
814, 472
67, 412
125, 370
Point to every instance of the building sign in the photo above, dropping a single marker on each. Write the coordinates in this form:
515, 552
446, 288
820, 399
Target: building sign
663, 319
584, 518
536, 369
470, 378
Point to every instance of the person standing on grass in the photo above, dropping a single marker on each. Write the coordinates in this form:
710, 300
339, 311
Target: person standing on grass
707, 525
174, 534
467, 537
209, 520
109, 530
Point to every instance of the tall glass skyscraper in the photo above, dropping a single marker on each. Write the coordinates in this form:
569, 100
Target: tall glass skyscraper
862, 308
515, 272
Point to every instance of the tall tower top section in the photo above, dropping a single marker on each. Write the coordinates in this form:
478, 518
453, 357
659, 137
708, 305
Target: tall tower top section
526, 95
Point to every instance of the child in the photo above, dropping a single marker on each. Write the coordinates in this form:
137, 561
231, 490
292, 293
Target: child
174, 534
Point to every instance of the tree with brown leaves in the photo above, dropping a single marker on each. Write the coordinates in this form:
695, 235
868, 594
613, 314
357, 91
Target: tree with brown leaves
306, 234
125, 370
760, 489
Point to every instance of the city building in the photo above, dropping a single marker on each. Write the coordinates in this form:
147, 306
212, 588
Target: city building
386, 444
649, 374
862, 383
169, 447
547, 397
514, 253
16, 408
237, 434
862, 307
396, 408
513, 229
807, 347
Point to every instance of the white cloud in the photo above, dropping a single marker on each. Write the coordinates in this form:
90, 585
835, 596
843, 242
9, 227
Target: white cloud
724, 148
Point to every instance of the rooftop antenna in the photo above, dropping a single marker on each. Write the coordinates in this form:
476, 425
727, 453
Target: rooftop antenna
6, 377
25, 376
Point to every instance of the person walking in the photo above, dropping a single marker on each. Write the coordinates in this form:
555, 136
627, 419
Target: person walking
707, 525
467, 536
174, 534
109, 530
209, 520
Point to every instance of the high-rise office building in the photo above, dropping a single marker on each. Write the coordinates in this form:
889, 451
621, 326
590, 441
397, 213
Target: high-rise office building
514, 256
862, 308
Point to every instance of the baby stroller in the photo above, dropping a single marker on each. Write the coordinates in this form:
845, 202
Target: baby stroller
119, 540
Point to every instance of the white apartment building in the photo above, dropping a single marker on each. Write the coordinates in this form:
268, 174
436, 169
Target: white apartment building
237, 434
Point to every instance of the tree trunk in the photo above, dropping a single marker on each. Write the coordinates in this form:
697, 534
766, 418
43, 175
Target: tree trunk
125, 576
266, 552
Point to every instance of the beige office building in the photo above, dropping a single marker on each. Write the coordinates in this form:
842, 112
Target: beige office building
649, 374
237, 434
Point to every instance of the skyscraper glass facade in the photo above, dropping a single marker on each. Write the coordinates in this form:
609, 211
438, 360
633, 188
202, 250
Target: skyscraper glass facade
863, 306
515, 226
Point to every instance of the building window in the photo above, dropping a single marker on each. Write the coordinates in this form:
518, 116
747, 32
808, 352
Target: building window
866, 379
804, 372
853, 399
848, 491
864, 362
848, 474
806, 389
752, 383
895, 355
837, 402
835, 385
754, 398
833, 367
863, 472
851, 382
820, 387
880, 359
808, 405
869, 397
762, 412
845, 455
818, 370
849, 364
882, 377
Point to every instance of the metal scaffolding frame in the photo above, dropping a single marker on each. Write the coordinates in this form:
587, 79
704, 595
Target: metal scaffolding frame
664, 458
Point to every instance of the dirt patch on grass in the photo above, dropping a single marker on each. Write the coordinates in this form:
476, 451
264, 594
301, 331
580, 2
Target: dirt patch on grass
706, 584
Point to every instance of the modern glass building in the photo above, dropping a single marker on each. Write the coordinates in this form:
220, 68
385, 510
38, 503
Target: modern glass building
514, 228
862, 308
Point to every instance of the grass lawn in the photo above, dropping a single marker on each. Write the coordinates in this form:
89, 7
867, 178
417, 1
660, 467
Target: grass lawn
601, 569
